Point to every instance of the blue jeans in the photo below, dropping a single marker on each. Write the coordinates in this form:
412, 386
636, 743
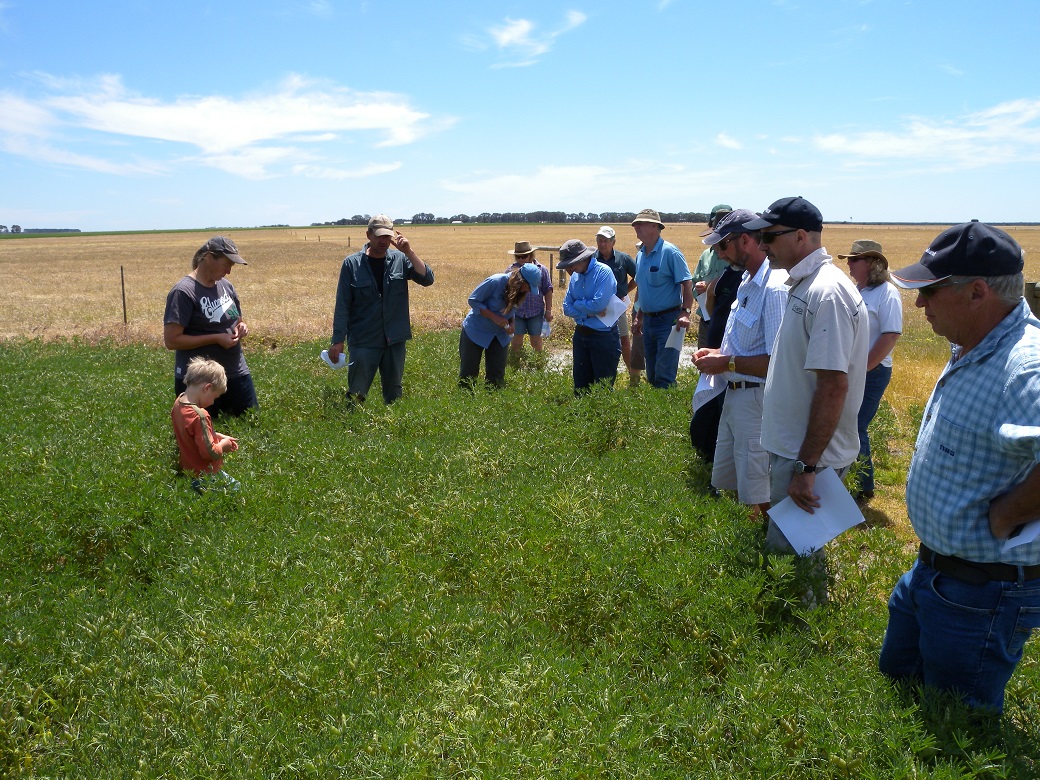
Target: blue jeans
596, 357
365, 361
958, 637
661, 364
873, 388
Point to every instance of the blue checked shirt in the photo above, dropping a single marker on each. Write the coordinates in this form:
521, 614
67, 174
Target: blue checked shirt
754, 317
979, 438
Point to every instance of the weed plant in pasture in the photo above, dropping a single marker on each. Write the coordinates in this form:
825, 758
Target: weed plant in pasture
498, 584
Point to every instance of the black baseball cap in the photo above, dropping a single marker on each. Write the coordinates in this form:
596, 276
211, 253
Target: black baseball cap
971, 249
794, 212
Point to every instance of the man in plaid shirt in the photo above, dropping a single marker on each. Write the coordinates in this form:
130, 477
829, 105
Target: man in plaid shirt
960, 618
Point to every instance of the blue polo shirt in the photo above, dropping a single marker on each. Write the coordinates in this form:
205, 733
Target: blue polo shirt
659, 276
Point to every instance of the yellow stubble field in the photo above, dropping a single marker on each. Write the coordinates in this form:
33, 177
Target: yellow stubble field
62, 287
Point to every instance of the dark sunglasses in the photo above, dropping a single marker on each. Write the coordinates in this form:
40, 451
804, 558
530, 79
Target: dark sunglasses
727, 241
932, 289
768, 238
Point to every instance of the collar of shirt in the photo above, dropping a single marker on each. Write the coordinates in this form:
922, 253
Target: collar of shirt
808, 265
990, 340
657, 248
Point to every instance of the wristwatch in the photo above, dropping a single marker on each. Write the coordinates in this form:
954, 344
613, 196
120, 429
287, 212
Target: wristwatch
732, 364
685, 310
801, 468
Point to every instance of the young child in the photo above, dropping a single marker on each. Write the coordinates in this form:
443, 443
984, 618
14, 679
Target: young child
202, 449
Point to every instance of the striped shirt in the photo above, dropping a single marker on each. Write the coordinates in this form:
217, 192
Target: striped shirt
980, 437
754, 317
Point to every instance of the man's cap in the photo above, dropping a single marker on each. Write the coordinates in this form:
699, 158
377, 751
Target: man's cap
532, 275
222, 246
648, 215
734, 222
573, 252
606, 231
521, 248
794, 212
381, 225
971, 249
717, 213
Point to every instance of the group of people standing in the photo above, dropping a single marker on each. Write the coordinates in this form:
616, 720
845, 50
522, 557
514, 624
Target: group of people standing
804, 357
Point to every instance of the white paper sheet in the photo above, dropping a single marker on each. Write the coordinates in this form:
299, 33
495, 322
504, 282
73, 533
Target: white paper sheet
708, 386
676, 339
837, 513
342, 359
615, 309
1028, 533
702, 304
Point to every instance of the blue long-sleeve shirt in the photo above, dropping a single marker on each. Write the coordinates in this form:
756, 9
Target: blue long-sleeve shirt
489, 294
363, 317
589, 293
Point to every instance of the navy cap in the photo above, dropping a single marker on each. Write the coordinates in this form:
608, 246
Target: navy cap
734, 222
971, 249
219, 245
573, 252
794, 212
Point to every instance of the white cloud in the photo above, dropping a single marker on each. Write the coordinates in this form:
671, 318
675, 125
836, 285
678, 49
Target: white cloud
517, 41
247, 136
728, 142
1006, 133
318, 172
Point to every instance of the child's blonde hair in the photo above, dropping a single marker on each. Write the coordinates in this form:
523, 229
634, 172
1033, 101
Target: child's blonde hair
203, 371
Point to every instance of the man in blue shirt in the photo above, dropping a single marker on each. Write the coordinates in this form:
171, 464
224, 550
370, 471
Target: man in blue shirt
371, 313
596, 345
665, 297
959, 619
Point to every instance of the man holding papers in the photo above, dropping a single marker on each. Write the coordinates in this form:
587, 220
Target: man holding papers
591, 302
740, 365
959, 619
665, 297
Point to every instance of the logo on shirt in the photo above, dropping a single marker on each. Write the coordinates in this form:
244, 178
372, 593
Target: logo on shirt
215, 310
943, 448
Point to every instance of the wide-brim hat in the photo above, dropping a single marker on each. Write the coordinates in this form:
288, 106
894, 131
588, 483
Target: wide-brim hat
864, 247
222, 246
970, 249
521, 248
572, 253
648, 215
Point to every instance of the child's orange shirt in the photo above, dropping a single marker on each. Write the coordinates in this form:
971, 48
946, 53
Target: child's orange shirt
195, 438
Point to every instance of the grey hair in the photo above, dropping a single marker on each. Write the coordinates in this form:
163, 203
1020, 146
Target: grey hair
1010, 288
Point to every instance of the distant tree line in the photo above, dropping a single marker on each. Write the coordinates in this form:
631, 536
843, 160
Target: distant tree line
14, 229
535, 217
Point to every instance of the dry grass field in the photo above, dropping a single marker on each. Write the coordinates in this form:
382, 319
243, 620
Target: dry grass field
64, 287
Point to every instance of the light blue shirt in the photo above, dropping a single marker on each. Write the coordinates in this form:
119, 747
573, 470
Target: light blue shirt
754, 317
980, 437
659, 277
589, 293
489, 294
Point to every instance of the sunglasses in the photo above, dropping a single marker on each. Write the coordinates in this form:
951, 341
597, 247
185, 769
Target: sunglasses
768, 238
726, 242
932, 289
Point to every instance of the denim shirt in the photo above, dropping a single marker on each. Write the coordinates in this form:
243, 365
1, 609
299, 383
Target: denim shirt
363, 317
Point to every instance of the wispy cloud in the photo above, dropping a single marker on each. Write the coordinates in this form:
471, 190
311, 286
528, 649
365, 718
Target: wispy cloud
254, 136
950, 69
1006, 133
728, 142
519, 42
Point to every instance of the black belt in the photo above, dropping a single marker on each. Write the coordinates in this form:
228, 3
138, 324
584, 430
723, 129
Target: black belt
585, 330
976, 573
659, 313
742, 385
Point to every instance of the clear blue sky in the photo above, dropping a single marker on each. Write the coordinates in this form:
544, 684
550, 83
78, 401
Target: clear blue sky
140, 114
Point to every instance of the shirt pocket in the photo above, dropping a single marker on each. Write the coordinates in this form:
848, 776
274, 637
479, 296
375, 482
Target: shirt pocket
657, 276
363, 289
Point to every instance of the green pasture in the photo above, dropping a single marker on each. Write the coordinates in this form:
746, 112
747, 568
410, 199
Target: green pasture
517, 584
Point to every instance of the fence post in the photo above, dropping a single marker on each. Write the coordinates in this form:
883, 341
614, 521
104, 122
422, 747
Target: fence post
122, 284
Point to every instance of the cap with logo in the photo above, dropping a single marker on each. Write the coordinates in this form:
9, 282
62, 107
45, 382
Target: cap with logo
971, 249
793, 212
